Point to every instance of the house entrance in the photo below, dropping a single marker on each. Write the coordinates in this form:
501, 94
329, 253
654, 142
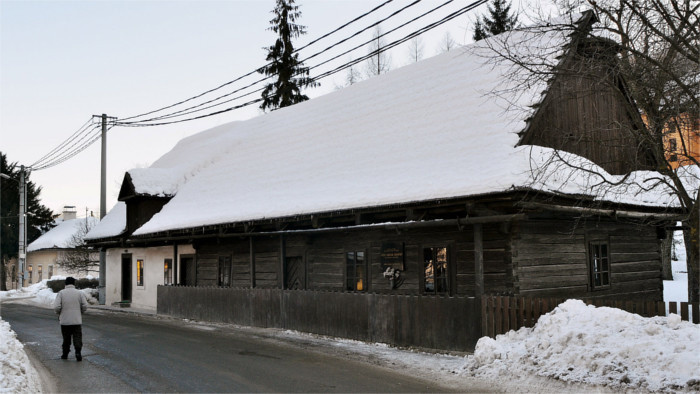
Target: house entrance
126, 277
295, 273
188, 271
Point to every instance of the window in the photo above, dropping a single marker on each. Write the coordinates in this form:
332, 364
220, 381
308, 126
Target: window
673, 149
168, 272
225, 271
139, 272
435, 268
50, 271
29, 268
356, 272
40, 274
600, 264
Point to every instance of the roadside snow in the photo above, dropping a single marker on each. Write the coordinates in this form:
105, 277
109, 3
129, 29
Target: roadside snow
599, 346
17, 375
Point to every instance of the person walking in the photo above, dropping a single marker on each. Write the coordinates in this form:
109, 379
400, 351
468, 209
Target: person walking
70, 304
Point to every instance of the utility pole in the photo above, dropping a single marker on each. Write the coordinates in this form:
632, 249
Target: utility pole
22, 252
103, 210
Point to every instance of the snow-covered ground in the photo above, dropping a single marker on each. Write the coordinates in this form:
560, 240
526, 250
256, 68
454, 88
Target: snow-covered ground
574, 348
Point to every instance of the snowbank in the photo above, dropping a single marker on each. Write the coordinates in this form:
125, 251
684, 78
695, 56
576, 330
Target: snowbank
17, 375
601, 346
40, 294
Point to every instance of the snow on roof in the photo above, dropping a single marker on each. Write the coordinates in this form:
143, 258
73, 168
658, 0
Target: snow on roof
114, 223
426, 131
61, 236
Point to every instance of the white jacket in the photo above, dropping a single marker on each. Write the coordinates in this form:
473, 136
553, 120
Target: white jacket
70, 304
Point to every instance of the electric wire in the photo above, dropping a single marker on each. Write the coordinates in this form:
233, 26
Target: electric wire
62, 144
259, 68
346, 65
203, 106
124, 121
94, 134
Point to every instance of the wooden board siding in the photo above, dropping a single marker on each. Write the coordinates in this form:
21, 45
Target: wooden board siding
324, 256
551, 259
207, 269
586, 113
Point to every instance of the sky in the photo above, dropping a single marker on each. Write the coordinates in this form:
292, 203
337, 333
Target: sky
63, 61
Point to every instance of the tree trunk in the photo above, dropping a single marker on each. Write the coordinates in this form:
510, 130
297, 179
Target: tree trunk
692, 247
666, 248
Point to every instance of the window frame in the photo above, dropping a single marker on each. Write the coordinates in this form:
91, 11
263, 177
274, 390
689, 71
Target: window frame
606, 262
167, 271
447, 270
354, 277
224, 267
40, 272
139, 272
30, 270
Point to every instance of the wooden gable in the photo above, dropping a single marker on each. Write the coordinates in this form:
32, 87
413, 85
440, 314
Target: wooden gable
586, 110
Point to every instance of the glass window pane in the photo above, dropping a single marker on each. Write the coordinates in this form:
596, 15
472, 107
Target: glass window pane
428, 269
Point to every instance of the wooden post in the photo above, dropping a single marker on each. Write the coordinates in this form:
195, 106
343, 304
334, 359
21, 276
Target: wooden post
283, 254
252, 262
478, 260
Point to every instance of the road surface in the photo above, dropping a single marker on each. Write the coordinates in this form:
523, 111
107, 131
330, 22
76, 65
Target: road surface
135, 353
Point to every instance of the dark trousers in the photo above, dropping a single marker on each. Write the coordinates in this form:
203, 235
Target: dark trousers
75, 332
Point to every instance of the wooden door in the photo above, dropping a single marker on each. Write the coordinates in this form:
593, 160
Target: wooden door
188, 271
126, 277
296, 274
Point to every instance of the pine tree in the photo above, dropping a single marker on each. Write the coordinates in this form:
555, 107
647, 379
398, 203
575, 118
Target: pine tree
500, 21
291, 74
39, 218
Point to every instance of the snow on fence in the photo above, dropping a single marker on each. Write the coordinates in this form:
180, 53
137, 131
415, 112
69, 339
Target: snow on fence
501, 314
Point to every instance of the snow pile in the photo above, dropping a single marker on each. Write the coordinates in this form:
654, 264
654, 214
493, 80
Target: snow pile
17, 375
600, 346
39, 293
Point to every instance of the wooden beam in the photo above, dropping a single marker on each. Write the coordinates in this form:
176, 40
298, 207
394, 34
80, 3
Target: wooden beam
478, 260
621, 213
252, 263
283, 253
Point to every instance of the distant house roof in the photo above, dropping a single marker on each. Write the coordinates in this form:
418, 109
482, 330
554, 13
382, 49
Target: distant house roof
431, 130
61, 236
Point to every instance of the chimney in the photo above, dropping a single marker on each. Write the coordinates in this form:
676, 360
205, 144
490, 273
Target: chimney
69, 212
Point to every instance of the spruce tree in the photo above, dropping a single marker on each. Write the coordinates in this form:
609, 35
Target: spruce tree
500, 21
39, 218
283, 63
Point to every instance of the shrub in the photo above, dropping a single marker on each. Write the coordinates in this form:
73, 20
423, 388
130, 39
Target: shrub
86, 283
60, 284
56, 285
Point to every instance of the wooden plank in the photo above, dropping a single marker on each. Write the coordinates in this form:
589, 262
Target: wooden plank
684, 311
696, 312
506, 314
478, 260
498, 321
673, 307
484, 317
513, 314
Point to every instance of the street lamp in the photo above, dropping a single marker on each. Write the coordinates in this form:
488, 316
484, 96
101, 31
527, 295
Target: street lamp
22, 252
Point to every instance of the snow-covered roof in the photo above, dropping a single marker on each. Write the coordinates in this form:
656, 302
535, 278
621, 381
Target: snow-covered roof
61, 236
431, 130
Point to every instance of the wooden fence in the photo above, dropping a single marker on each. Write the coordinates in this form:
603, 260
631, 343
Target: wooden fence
436, 322
500, 314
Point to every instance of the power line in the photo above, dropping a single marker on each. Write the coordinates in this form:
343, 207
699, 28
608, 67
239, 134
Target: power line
62, 144
346, 65
259, 68
202, 106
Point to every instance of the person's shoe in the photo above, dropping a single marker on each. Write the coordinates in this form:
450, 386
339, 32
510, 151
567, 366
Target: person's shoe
64, 356
78, 357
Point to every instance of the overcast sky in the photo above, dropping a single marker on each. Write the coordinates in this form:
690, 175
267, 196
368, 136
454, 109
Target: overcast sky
64, 61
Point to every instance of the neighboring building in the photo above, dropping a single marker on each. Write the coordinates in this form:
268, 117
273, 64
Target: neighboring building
682, 139
45, 253
383, 206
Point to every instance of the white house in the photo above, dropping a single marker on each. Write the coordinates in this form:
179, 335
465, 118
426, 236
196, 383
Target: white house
44, 254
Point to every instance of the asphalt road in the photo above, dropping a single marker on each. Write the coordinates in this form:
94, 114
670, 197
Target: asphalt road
129, 353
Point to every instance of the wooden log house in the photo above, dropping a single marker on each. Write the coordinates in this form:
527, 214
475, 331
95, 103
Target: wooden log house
382, 190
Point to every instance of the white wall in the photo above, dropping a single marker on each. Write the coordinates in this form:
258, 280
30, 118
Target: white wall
49, 257
143, 297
